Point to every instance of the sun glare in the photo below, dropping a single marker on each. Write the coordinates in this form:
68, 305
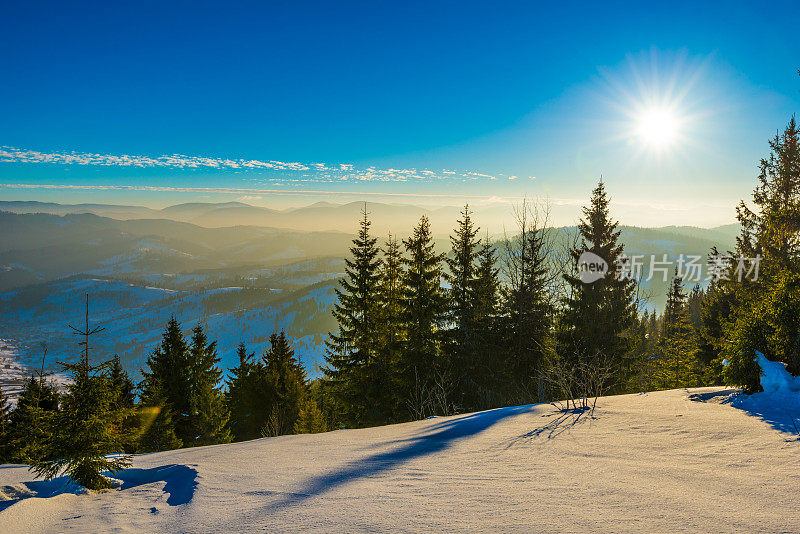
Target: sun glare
657, 127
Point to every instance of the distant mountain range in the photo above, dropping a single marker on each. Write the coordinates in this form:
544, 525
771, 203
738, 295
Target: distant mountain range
37, 247
244, 281
41, 247
398, 219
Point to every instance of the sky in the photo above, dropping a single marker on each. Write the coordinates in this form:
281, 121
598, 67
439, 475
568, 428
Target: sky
433, 103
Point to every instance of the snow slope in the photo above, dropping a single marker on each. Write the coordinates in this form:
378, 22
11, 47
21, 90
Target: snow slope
656, 462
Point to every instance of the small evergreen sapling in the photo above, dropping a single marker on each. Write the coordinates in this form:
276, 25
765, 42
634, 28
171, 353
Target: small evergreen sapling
86, 430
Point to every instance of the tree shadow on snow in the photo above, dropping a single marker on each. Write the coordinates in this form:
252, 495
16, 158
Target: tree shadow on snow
781, 412
563, 420
435, 438
181, 482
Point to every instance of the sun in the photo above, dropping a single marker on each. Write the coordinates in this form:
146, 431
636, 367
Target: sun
657, 127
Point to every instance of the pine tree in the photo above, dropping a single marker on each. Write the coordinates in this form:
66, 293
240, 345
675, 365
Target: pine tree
486, 298
86, 430
209, 415
242, 397
527, 311
461, 305
167, 387
157, 424
31, 419
310, 419
424, 309
677, 366
123, 403
385, 387
763, 312
596, 317
287, 381
352, 349
5, 430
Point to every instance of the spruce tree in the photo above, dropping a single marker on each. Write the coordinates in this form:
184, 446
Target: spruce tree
485, 345
527, 312
166, 386
596, 317
123, 403
386, 386
461, 305
31, 420
242, 397
87, 428
424, 308
677, 365
121, 384
719, 301
773, 228
763, 311
5, 430
351, 350
287, 381
310, 419
157, 424
209, 415
85, 431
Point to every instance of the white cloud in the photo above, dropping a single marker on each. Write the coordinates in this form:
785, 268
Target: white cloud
289, 172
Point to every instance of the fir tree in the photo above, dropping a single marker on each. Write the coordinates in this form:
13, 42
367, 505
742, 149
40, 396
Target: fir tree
167, 387
242, 397
352, 349
527, 311
486, 298
5, 430
424, 308
209, 415
596, 317
677, 366
310, 419
462, 305
385, 386
286, 379
763, 312
123, 404
86, 430
31, 420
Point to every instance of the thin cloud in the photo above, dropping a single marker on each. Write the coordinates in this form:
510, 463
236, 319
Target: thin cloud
290, 172
239, 191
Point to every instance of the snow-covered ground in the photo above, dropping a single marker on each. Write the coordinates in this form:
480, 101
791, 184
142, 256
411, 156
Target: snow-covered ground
670, 461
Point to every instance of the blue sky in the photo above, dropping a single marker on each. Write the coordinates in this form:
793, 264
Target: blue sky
407, 102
